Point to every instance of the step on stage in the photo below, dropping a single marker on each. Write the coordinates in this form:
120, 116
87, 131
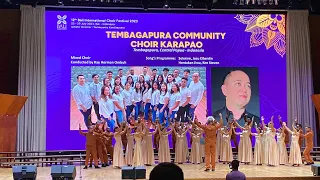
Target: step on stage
191, 172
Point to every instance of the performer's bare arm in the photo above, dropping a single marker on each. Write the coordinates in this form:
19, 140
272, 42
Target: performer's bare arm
81, 132
197, 123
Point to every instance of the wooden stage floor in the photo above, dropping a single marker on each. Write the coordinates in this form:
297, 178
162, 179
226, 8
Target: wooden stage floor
190, 172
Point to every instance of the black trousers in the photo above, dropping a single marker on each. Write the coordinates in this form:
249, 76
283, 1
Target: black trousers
96, 110
182, 113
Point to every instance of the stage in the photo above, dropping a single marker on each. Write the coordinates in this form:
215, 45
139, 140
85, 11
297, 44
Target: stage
190, 171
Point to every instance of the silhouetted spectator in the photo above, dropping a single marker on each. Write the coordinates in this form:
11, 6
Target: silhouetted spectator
166, 171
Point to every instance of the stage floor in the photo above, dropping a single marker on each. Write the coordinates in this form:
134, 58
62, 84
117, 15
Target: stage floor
190, 172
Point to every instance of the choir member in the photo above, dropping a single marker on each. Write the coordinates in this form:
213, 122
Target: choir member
99, 144
226, 155
160, 79
185, 99
219, 144
105, 136
176, 125
164, 151
197, 89
283, 154
258, 153
134, 77
174, 100
195, 156
91, 148
124, 139
170, 82
286, 133
137, 98
106, 106
155, 97
95, 92
119, 104
210, 131
141, 81
295, 153
137, 155
109, 147
245, 145
81, 95
128, 98
118, 156
144, 74
147, 147
271, 148
146, 99
186, 74
129, 149
107, 83
122, 77
117, 82
163, 102
309, 145
165, 74
176, 77
131, 82
109, 77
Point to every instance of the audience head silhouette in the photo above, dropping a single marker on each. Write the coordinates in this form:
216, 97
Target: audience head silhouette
166, 171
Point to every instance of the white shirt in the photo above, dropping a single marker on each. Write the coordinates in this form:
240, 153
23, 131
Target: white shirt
146, 95
123, 80
128, 97
95, 90
111, 81
106, 107
185, 93
119, 98
81, 95
146, 77
178, 79
169, 86
155, 97
197, 90
134, 77
165, 78
137, 96
175, 97
163, 97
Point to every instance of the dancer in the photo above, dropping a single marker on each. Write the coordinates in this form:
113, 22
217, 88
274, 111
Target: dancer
309, 145
219, 144
164, 151
118, 156
99, 143
91, 148
155, 97
106, 106
129, 149
137, 98
147, 147
128, 99
258, 153
286, 133
109, 147
245, 145
210, 131
124, 139
180, 151
226, 155
271, 148
283, 154
195, 156
163, 102
295, 153
137, 155
146, 98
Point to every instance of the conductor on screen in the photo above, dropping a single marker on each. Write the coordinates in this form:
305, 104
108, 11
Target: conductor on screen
236, 88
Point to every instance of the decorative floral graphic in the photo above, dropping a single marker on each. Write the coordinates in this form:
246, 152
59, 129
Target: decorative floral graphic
267, 29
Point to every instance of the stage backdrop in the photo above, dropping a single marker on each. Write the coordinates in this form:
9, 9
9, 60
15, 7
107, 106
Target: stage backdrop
96, 42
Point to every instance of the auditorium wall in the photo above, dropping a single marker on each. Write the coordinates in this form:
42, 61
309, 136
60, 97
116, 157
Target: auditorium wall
9, 50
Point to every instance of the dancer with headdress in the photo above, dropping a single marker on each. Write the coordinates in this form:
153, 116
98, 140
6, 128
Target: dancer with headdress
271, 148
147, 146
295, 153
245, 145
258, 153
129, 149
180, 154
137, 155
210, 131
164, 151
195, 156
118, 156
226, 155
283, 154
